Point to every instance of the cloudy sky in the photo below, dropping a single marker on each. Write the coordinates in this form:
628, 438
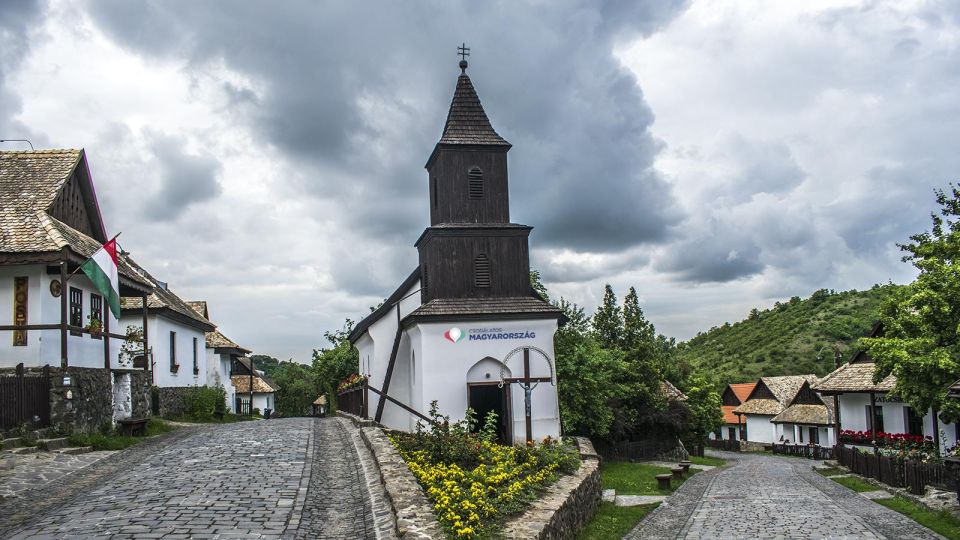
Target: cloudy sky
268, 156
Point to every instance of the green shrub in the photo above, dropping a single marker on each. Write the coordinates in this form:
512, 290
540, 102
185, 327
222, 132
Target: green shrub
201, 402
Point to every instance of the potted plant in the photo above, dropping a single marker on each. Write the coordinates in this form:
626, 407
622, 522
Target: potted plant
94, 326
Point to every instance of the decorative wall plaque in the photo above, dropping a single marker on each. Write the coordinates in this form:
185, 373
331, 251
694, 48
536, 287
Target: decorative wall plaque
55, 288
20, 310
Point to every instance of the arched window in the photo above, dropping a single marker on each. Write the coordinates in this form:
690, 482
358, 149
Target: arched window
475, 183
481, 271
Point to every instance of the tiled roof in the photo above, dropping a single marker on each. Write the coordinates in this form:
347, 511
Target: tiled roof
820, 415
671, 392
322, 400
467, 123
260, 385
200, 306
770, 407
84, 246
215, 339
742, 390
29, 183
954, 390
162, 298
485, 306
854, 378
729, 417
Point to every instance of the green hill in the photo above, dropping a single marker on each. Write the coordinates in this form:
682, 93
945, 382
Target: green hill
785, 339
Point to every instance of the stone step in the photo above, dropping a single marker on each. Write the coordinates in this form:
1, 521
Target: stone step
73, 450
24, 450
12, 442
52, 444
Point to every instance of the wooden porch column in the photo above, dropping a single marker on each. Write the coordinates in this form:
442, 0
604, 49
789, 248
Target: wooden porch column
147, 357
936, 429
106, 335
873, 416
64, 291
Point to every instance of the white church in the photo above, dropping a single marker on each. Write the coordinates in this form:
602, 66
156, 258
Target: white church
466, 329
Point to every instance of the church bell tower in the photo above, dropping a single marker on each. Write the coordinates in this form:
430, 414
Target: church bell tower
471, 249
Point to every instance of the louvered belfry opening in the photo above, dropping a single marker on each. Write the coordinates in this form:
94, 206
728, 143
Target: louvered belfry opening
481, 271
475, 183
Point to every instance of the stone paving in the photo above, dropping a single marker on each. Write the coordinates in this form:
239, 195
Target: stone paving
771, 497
265, 479
21, 473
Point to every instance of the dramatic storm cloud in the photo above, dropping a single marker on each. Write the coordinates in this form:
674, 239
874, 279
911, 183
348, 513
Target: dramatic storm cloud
268, 157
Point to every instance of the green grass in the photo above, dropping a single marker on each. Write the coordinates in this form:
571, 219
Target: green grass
634, 478
707, 460
830, 471
612, 521
115, 441
941, 522
855, 484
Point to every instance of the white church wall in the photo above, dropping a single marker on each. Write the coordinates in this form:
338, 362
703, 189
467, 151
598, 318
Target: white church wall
445, 365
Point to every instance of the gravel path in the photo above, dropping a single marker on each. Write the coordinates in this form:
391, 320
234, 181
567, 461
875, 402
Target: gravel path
763, 496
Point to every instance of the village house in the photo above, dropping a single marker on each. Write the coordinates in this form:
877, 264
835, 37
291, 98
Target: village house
808, 419
244, 376
768, 399
58, 325
465, 328
177, 355
221, 353
733, 396
866, 406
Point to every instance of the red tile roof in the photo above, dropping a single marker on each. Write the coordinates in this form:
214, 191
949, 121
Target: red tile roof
742, 391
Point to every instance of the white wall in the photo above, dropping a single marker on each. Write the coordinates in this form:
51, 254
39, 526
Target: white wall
218, 371
158, 336
759, 428
853, 416
43, 346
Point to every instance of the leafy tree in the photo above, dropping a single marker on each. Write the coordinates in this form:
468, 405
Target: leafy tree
336, 363
267, 364
703, 402
299, 387
608, 321
538, 285
920, 345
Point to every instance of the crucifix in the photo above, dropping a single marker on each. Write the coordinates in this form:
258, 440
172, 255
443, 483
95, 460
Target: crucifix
464, 52
528, 383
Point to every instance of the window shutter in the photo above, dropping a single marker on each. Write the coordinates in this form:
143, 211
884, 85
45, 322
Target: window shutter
475, 183
481, 271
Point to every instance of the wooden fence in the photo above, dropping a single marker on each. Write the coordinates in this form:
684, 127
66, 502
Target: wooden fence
354, 400
729, 445
915, 475
25, 399
809, 451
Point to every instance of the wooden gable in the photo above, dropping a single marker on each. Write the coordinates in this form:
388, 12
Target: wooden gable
730, 398
806, 396
863, 357
76, 204
762, 391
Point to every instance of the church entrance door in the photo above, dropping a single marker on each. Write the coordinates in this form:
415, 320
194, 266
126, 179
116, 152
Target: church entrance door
486, 397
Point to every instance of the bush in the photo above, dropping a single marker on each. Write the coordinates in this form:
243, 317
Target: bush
201, 402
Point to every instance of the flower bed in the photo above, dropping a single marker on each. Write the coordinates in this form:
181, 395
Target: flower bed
473, 482
900, 445
350, 382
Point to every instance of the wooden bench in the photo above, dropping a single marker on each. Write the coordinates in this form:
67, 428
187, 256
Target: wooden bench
677, 473
663, 481
133, 426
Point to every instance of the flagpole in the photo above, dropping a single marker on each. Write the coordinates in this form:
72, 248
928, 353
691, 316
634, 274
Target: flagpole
77, 269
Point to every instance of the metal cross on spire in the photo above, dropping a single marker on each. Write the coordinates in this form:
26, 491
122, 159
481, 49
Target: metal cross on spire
464, 52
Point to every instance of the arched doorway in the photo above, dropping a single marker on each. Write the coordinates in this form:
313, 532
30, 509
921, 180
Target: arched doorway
486, 395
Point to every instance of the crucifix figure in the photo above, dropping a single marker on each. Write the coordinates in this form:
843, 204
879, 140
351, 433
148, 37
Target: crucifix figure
528, 383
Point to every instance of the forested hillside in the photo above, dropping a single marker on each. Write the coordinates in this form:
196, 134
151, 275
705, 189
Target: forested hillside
785, 339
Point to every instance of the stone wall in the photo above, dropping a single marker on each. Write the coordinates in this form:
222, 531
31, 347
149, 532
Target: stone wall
665, 449
140, 382
414, 513
566, 506
173, 400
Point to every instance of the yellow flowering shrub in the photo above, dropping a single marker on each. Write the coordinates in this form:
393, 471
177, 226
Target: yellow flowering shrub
487, 481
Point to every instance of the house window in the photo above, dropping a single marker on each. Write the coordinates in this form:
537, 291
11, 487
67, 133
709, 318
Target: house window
800, 433
914, 421
76, 308
475, 183
481, 271
196, 360
96, 310
731, 434
877, 424
173, 352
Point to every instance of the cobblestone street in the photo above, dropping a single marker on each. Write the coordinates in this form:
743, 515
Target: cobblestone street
243, 480
772, 497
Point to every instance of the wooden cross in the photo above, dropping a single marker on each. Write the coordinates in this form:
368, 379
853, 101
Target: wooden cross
528, 383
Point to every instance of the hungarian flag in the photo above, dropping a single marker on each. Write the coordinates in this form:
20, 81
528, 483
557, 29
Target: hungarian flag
101, 268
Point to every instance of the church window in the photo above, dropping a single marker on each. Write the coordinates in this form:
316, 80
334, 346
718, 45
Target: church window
475, 183
481, 271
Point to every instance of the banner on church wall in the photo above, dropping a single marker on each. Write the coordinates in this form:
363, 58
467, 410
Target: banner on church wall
455, 335
20, 310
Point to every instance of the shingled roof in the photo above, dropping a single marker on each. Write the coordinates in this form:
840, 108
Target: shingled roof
671, 392
163, 300
215, 339
807, 414
781, 392
854, 377
260, 385
30, 184
528, 306
467, 123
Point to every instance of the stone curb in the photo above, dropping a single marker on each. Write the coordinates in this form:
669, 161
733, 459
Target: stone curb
413, 512
565, 506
